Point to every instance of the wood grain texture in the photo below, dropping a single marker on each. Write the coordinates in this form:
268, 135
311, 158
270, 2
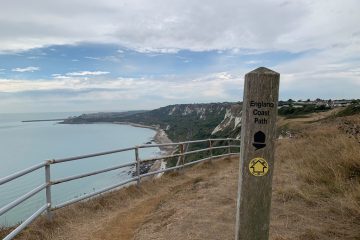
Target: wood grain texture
254, 194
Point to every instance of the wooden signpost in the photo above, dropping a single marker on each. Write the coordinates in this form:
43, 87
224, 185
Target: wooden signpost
258, 132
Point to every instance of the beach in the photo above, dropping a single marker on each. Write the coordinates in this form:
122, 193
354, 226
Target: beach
159, 138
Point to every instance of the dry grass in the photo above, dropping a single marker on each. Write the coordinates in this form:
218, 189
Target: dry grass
316, 195
317, 185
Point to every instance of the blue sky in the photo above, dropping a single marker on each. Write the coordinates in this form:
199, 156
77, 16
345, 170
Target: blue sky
113, 56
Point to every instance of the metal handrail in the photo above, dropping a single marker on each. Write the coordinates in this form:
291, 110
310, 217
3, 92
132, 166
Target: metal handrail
17, 230
21, 173
158, 158
90, 174
21, 199
47, 185
91, 155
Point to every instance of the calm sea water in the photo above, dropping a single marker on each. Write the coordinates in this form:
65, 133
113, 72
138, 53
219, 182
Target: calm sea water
25, 144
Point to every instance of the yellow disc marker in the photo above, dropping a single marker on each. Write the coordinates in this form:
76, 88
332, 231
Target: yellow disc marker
258, 167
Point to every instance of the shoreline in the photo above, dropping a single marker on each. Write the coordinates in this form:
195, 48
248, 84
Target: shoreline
160, 136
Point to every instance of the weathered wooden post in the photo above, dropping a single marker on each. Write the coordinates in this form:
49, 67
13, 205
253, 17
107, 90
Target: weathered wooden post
258, 132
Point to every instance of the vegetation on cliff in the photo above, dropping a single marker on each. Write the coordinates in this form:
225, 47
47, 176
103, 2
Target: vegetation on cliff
350, 110
181, 121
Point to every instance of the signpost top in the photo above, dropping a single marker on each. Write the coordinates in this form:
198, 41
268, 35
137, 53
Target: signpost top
263, 70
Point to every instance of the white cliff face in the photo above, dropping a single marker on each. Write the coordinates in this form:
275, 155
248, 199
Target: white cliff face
237, 122
172, 111
187, 111
232, 119
201, 112
208, 114
224, 123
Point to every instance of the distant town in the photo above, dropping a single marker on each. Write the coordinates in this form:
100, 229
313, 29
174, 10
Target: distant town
318, 102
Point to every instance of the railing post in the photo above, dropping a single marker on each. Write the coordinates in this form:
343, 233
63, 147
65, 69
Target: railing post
181, 157
48, 190
211, 150
137, 165
182, 150
229, 146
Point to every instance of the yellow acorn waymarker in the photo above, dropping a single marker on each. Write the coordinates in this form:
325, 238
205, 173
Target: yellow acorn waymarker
258, 167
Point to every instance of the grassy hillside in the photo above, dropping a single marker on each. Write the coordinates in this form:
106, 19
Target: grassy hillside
350, 110
181, 121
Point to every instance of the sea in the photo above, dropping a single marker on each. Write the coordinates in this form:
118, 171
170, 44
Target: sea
24, 144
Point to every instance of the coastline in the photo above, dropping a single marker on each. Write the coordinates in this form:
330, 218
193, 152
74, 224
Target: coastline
160, 136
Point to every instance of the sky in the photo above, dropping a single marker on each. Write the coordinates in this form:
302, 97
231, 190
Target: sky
115, 55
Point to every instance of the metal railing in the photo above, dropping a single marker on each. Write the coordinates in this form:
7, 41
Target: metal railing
181, 148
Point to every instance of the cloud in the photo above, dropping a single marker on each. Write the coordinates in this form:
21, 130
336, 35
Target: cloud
87, 73
213, 85
168, 27
27, 69
93, 58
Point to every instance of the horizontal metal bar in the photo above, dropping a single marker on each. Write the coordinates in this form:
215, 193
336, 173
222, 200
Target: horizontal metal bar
158, 145
158, 158
21, 173
91, 174
187, 142
223, 155
17, 230
64, 204
21, 199
160, 171
197, 151
140, 146
186, 153
224, 139
91, 155
196, 141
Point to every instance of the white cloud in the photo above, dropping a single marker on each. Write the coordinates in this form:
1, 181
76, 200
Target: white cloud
213, 85
93, 58
168, 26
26, 69
87, 73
